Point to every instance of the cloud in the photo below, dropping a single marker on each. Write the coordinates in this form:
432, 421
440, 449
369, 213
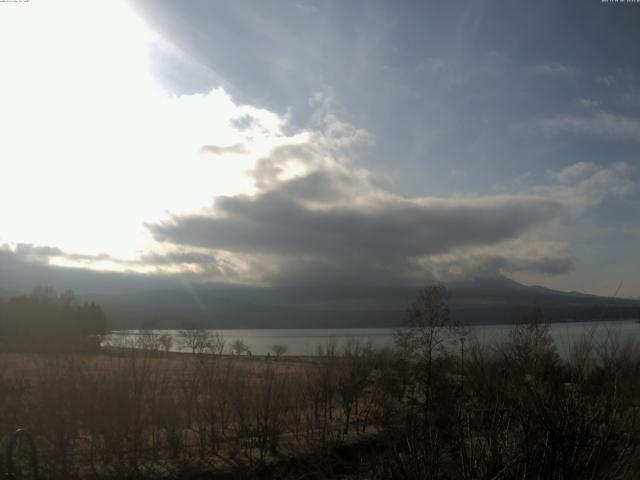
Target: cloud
237, 149
530, 253
582, 186
275, 223
601, 124
632, 99
495, 265
315, 219
587, 103
547, 265
335, 134
19, 273
606, 80
572, 172
619, 178
173, 258
45, 254
311, 216
166, 262
557, 69
27, 250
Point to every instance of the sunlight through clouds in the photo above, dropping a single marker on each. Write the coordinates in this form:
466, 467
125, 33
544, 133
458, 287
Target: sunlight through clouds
92, 147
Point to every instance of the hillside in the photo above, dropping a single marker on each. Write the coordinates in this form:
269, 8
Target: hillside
477, 302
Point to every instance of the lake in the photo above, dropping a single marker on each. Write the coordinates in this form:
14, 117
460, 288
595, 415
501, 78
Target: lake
306, 341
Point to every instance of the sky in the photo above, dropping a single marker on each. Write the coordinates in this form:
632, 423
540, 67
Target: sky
323, 143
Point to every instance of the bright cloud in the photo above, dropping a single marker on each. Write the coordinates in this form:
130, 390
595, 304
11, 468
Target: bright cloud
93, 147
572, 172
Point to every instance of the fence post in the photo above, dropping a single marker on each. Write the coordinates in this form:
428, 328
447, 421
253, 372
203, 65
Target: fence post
34, 454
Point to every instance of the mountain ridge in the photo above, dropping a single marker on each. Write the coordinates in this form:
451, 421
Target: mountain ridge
478, 300
309, 307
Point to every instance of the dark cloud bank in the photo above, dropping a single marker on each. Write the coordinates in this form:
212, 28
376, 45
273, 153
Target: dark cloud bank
330, 226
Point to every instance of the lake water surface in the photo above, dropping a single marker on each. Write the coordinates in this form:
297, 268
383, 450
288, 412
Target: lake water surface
306, 341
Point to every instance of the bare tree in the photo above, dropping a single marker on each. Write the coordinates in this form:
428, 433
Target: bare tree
148, 340
197, 340
269, 410
166, 342
530, 347
238, 347
353, 377
279, 349
429, 326
216, 343
321, 391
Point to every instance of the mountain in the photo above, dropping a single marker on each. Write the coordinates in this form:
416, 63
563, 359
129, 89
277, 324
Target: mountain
478, 301
146, 301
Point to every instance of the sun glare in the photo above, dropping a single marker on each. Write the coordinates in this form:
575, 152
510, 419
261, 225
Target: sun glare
92, 146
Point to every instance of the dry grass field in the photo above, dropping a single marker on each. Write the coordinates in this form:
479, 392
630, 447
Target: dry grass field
130, 412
